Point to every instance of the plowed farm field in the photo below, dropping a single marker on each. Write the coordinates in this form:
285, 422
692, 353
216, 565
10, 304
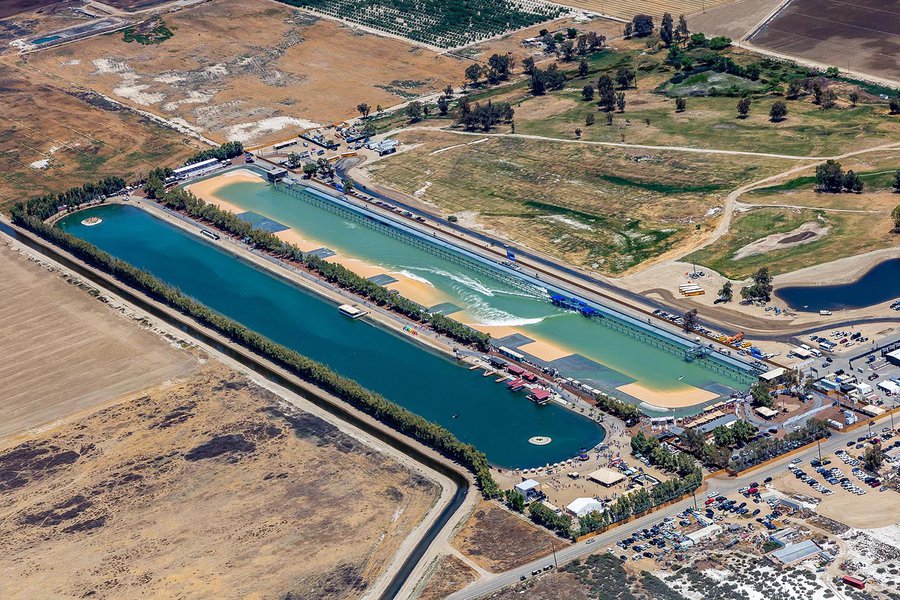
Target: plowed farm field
626, 9
860, 36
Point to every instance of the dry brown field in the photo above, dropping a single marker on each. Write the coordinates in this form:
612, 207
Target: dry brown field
732, 19
81, 138
62, 352
9, 8
251, 70
50, 17
210, 487
498, 540
451, 575
860, 36
626, 9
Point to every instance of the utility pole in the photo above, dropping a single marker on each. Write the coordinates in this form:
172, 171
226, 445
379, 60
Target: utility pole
819, 446
553, 547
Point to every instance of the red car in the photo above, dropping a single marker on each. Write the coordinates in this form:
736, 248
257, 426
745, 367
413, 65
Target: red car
710, 501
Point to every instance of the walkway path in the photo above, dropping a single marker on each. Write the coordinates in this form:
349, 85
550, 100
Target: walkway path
690, 149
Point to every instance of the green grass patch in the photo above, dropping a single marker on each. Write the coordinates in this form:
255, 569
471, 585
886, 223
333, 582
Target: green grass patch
843, 239
148, 37
659, 187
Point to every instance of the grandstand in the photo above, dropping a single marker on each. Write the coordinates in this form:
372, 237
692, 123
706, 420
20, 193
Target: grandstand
626, 9
438, 23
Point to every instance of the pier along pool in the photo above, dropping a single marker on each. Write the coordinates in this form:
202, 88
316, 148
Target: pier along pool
880, 284
586, 349
477, 410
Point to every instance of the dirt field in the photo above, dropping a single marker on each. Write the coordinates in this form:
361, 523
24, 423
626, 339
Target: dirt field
14, 7
62, 352
52, 139
33, 23
451, 575
864, 36
498, 540
626, 9
732, 19
209, 487
874, 509
219, 76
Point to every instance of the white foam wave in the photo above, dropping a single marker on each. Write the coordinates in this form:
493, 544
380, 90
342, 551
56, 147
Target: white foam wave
478, 286
414, 277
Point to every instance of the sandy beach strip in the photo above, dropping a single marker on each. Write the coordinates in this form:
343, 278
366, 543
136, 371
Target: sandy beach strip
680, 398
417, 291
206, 189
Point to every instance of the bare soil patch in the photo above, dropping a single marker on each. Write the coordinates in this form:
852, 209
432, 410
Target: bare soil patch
212, 487
550, 586
732, 19
451, 575
874, 509
62, 351
864, 36
626, 9
226, 79
806, 233
498, 540
14, 7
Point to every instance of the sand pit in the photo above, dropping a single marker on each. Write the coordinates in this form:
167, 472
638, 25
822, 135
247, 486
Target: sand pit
806, 233
545, 350
304, 243
206, 189
680, 398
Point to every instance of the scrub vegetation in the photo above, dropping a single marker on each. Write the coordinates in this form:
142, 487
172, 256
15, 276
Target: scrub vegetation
848, 234
608, 209
612, 209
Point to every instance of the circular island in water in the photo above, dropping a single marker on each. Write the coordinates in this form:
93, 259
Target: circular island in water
91, 221
539, 440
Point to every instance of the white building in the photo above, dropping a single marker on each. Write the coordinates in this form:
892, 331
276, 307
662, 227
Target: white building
583, 506
195, 169
701, 534
529, 489
890, 387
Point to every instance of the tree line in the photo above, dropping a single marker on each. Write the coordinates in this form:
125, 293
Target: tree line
680, 463
224, 152
318, 374
44, 207
184, 201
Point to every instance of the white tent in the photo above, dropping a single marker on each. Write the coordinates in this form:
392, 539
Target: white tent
582, 506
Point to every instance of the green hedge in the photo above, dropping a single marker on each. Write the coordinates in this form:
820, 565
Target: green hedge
387, 412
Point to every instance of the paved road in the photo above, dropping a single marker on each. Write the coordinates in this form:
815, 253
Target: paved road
722, 485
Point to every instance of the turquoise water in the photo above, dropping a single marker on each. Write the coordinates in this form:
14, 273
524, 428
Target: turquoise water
473, 407
619, 358
44, 40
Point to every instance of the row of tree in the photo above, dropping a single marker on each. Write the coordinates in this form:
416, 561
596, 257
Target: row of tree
182, 200
641, 501
766, 448
650, 448
48, 205
224, 152
629, 413
316, 373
